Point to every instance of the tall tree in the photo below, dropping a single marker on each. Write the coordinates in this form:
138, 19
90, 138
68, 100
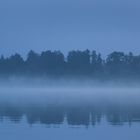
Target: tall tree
79, 62
32, 63
116, 63
52, 62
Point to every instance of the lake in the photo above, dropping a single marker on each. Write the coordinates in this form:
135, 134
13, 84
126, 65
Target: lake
69, 113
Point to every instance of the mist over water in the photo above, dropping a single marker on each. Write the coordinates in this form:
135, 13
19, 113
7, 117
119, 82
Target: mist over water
63, 93
72, 108
73, 89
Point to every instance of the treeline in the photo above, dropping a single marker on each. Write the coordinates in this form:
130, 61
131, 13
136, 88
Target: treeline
77, 63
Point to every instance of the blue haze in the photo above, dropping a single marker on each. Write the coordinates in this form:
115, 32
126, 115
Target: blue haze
65, 25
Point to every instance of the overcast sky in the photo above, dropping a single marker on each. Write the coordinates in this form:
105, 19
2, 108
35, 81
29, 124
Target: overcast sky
102, 25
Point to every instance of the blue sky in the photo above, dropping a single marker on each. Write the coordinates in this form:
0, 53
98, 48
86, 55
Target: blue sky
102, 25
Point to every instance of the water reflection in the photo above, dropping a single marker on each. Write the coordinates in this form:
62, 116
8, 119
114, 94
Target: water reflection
73, 114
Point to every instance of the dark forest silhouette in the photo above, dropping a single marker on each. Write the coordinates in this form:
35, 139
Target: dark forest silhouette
77, 63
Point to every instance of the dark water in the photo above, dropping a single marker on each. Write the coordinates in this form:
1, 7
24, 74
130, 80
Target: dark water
73, 115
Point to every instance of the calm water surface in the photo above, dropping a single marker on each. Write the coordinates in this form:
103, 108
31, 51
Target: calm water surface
70, 114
